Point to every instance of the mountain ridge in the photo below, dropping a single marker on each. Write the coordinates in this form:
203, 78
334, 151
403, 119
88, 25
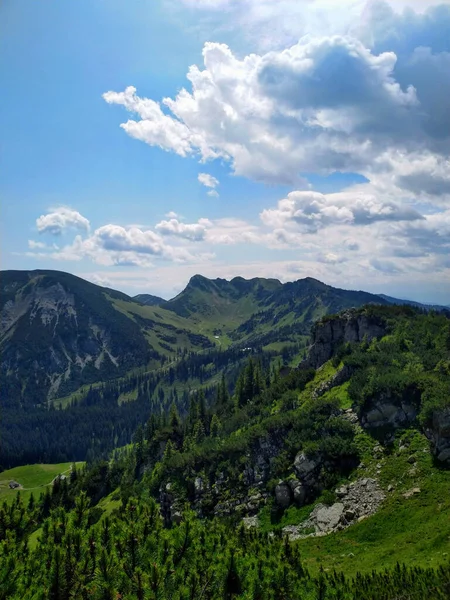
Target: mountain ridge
66, 332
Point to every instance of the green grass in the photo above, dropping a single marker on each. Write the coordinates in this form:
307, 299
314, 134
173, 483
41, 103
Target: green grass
341, 393
414, 530
33, 479
109, 503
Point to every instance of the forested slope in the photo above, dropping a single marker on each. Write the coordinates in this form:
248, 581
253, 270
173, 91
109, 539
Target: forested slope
308, 484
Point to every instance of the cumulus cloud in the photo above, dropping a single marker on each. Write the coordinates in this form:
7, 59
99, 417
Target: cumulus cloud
154, 128
311, 211
208, 180
60, 219
322, 105
347, 102
189, 231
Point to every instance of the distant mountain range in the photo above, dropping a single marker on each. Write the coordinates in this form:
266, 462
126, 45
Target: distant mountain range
58, 332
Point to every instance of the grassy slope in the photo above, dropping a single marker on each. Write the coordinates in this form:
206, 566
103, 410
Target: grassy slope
413, 530
33, 479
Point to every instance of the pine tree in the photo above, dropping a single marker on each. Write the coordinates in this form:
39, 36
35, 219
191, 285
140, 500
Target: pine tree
215, 426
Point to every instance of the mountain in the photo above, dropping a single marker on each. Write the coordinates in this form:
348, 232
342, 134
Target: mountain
58, 331
148, 300
262, 311
413, 303
219, 299
109, 361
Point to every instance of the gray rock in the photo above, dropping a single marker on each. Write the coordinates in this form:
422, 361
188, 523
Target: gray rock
283, 495
444, 456
251, 522
342, 491
338, 378
350, 514
300, 494
198, 485
329, 517
411, 492
304, 466
386, 412
439, 435
328, 335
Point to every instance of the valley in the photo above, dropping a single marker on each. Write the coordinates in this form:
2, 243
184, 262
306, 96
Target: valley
314, 461
64, 339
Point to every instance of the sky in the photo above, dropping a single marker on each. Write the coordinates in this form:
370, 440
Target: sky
145, 141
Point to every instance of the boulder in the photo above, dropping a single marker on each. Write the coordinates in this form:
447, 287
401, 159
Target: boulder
329, 517
304, 467
283, 495
350, 514
300, 494
250, 522
342, 491
198, 485
385, 412
439, 435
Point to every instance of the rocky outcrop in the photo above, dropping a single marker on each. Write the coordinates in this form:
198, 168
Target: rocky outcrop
385, 413
283, 495
260, 459
330, 333
245, 505
356, 501
438, 432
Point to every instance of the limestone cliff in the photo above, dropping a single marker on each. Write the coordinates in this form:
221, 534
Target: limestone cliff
330, 333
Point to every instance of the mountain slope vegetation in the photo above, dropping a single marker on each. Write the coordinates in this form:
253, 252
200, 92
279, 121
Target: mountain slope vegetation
109, 361
232, 499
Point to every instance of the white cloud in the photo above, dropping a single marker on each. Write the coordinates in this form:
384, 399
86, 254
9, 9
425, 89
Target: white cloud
321, 105
60, 219
33, 245
331, 258
189, 231
154, 128
272, 24
212, 193
208, 180
311, 211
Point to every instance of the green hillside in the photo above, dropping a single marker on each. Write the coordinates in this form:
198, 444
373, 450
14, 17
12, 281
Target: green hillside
110, 361
304, 483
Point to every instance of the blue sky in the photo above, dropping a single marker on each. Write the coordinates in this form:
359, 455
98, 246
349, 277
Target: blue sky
306, 141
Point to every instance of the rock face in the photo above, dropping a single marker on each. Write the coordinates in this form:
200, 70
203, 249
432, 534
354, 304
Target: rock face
386, 413
439, 435
329, 334
57, 330
264, 452
357, 501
